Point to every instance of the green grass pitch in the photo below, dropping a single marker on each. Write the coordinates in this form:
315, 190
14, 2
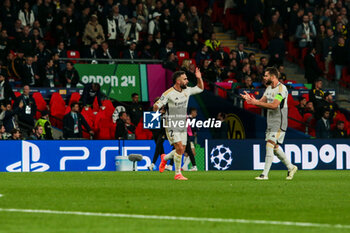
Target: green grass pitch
320, 197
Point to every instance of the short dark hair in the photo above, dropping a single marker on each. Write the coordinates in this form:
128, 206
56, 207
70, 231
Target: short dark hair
73, 104
121, 114
177, 74
13, 131
133, 95
192, 109
272, 71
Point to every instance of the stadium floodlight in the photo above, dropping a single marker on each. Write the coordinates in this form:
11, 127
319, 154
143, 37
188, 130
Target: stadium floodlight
134, 158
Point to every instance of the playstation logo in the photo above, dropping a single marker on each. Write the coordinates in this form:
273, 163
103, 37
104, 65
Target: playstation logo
151, 120
30, 158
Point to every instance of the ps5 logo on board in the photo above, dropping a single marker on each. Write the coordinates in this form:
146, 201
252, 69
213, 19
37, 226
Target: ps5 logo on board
29, 162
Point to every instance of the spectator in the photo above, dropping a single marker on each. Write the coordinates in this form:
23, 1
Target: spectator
8, 117
147, 52
91, 91
62, 53
15, 134
202, 55
135, 109
4, 44
131, 53
93, 32
169, 48
27, 109
302, 105
339, 131
258, 27
258, 75
240, 77
73, 122
106, 53
230, 71
45, 123
8, 15
316, 95
320, 37
248, 83
328, 44
277, 50
214, 71
193, 20
91, 52
30, 74
312, 70
121, 131
69, 76
264, 62
221, 133
305, 32
194, 44
26, 42
6, 93
323, 126
3, 134
241, 55
50, 75
72, 28
26, 15
339, 57
171, 62
37, 133
222, 55
327, 103
154, 24
111, 27
132, 30
167, 24
212, 43
43, 55
274, 29
283, 75
207, 24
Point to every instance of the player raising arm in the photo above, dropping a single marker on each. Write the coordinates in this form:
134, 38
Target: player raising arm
275, 101
176, 98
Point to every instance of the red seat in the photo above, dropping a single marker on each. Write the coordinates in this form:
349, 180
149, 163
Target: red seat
40, 104
103, 125
295, 123
141, 133
73, 54
227, 50
182, 55
75, 97
58, 108
193, 61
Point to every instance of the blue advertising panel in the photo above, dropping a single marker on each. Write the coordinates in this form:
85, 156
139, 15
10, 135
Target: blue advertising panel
250, 154
74, 155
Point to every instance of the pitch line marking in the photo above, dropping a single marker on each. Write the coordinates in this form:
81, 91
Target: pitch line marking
193, 219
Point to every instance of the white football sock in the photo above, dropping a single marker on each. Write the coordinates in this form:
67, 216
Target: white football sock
177, 163
282, 156
170, 155
268, 158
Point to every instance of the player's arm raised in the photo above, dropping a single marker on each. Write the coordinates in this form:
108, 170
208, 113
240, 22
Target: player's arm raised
199, 79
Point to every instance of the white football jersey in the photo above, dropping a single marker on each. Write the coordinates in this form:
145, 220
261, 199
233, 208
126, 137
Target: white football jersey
278, 118
177, 102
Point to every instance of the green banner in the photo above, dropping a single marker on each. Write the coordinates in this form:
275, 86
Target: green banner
117, 81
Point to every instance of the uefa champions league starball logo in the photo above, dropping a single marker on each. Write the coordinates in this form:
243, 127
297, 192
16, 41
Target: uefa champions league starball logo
221, 157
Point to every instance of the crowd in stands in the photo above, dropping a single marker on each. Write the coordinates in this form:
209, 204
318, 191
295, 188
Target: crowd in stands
35, 35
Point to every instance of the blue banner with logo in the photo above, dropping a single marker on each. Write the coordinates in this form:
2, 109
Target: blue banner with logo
250, 154
74, 155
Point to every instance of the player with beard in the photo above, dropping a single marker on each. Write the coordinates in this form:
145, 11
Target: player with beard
177, 98
275, 101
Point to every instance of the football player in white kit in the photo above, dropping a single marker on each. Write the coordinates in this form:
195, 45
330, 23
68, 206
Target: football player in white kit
176, 98
275, 101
